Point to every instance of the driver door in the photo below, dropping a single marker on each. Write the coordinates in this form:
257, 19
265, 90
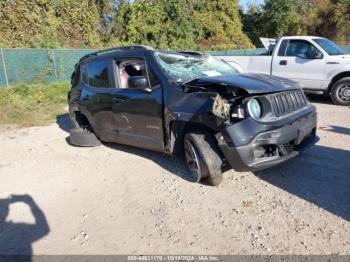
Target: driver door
137, 111
301, 61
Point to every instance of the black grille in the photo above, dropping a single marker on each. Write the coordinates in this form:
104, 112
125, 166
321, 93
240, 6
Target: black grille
286, 149
286, 102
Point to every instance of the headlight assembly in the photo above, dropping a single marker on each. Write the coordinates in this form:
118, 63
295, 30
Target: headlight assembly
254, 109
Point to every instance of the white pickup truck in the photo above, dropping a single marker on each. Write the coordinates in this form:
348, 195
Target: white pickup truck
316, 63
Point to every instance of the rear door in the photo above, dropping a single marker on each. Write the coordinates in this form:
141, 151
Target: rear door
97, 82
301, 61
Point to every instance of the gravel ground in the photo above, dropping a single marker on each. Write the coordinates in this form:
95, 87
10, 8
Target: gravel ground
116, 199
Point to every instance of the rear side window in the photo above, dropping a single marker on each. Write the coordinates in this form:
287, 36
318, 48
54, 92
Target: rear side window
282, 49
98, 74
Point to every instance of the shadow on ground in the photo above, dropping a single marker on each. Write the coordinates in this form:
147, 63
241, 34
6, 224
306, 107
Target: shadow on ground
337, 129
64, 122
320, 99
320, 176
17, 238
173, 164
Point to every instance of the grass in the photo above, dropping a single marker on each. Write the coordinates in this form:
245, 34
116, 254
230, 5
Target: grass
32, 104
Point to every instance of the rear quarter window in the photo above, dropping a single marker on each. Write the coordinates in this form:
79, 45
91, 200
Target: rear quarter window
84, 74
75, 76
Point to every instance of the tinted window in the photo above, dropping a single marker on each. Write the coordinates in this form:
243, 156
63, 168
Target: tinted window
300, 48
84, 74
282, 50
98, 73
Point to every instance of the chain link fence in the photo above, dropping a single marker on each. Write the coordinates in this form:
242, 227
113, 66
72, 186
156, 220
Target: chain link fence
31, 65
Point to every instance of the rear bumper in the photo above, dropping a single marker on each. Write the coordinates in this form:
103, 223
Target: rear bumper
253, 146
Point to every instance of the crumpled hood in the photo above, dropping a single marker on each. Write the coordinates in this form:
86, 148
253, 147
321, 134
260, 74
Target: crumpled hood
251, 83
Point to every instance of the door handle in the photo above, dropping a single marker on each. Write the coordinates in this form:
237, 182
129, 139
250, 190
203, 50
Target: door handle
283, 62
86, 98
118, 100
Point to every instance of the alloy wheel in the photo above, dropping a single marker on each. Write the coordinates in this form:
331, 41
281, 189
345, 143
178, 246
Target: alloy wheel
192, 160
343, 92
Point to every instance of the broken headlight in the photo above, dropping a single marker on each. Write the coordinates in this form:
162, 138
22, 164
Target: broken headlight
221, 108
254, 108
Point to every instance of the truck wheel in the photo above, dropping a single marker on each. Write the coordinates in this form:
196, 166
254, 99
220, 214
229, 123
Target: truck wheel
83, 137
203, 158
340, 93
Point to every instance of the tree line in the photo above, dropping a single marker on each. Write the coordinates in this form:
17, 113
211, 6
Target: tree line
173, 24
327, 18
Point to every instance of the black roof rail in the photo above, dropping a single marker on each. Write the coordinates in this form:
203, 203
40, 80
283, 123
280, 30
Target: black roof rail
129, 47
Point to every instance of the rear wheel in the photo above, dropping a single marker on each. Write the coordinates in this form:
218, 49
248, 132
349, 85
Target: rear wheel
83, 137
340, 93
203, 158
82, 133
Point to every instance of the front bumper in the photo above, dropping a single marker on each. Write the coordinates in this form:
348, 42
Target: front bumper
251, 146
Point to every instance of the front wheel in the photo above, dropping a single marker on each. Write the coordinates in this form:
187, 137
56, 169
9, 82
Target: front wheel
340, 93
203, 158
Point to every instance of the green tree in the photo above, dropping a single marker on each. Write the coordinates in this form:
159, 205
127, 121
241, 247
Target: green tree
251, 21
281, 17
180, 24
49, 23
176, 24
327, 18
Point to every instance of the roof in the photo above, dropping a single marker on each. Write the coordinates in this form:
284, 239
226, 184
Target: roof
306, 37
133, 48
116, 49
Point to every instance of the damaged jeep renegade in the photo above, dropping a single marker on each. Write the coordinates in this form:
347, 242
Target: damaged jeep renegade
191, 104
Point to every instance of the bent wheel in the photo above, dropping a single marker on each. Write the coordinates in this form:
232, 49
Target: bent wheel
193, 162
203, 158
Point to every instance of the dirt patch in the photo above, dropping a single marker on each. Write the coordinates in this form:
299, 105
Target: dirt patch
116, 199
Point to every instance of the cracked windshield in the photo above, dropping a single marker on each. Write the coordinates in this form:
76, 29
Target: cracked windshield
182, 68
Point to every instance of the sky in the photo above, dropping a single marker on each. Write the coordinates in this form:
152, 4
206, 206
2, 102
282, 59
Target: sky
245, 3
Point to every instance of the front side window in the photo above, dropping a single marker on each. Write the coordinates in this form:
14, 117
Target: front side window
182, 68
330, 47
301, 48
98, 75
130, 70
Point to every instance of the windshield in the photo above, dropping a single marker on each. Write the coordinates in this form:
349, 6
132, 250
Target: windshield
182, 68
330, 47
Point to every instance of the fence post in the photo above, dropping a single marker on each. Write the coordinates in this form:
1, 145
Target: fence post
4, 65
54, 63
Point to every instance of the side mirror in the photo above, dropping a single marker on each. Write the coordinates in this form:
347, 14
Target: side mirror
139, 82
